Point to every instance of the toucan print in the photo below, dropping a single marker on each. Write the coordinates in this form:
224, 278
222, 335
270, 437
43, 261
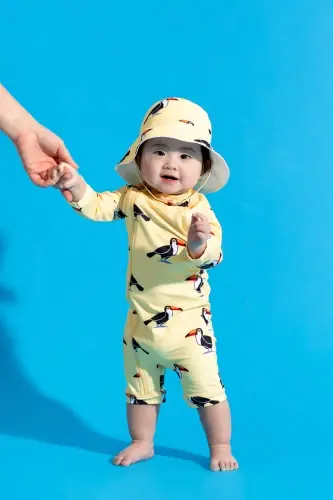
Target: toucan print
136, 375
125, 342
134, 282
144, 133
201, 402
198, 282
135, 401
188, 122
167, 251
183, 204
125, 156
161, 318
162, 390
201, 339
202, 141
139, 213
211, 264
137, 346
206, 315
77, 209
161, 105
118, 214
179, 369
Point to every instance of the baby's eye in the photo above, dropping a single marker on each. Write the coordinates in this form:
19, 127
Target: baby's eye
184, 156
159, 153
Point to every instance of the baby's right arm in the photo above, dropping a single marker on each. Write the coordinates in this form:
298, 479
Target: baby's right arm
68, 180
95, 206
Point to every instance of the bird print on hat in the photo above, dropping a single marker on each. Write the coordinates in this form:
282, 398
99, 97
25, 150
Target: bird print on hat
159, 107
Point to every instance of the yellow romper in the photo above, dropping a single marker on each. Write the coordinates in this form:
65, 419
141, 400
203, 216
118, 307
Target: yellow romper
169, 321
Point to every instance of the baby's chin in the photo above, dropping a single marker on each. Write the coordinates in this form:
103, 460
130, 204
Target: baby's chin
166, 188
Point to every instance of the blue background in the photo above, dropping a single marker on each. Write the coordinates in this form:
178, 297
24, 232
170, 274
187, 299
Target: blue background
89, 71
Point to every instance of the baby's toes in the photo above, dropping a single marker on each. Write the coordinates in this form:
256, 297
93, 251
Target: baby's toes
230, 465
117, 460
214, 465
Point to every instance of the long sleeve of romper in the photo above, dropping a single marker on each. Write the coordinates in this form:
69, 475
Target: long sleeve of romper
106, 206
213, 253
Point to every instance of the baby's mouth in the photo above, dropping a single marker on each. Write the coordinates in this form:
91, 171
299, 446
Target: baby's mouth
169, 177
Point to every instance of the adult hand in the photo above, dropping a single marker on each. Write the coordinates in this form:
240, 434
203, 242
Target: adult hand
40, 150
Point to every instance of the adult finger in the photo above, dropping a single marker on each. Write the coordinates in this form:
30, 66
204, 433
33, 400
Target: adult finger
64, 155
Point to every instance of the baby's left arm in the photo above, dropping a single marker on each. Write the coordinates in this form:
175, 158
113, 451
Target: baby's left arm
205, 240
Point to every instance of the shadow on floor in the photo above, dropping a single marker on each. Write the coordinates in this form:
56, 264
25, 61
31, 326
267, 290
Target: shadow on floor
27, 413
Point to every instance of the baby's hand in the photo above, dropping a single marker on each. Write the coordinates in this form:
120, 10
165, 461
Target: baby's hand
198, 235
67, 179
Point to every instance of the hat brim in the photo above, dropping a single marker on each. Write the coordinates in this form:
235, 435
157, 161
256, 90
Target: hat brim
210, 182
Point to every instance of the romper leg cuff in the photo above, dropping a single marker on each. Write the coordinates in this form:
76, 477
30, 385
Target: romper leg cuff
203, 402
146, 400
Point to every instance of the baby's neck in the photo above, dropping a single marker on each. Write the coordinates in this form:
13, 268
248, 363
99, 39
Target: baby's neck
157, 193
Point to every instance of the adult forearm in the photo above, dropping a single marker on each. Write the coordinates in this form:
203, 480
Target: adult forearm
14, 119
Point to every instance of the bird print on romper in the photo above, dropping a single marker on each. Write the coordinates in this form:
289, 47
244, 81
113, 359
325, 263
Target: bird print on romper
201, 402
167, 251
206, 315
198, 281
134, 282
202, 340
211, 264
159, 107
139, 213
163, 317
183, 204
162, 383
179, 370
137, 347
134, 401
118, 214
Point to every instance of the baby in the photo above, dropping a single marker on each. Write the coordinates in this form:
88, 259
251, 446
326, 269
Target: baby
174, 238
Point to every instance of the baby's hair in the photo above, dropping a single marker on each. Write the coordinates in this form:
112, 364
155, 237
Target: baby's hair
206, 159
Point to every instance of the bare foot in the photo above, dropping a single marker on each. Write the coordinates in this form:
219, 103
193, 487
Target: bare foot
222, 459
137, 451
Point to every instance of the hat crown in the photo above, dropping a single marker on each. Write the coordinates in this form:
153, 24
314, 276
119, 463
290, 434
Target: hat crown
176, 110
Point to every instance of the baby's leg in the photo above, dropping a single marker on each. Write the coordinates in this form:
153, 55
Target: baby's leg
198, 371
216, 421
145, 377
142, 421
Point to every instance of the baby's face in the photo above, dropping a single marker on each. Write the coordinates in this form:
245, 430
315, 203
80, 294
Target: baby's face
170, 166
